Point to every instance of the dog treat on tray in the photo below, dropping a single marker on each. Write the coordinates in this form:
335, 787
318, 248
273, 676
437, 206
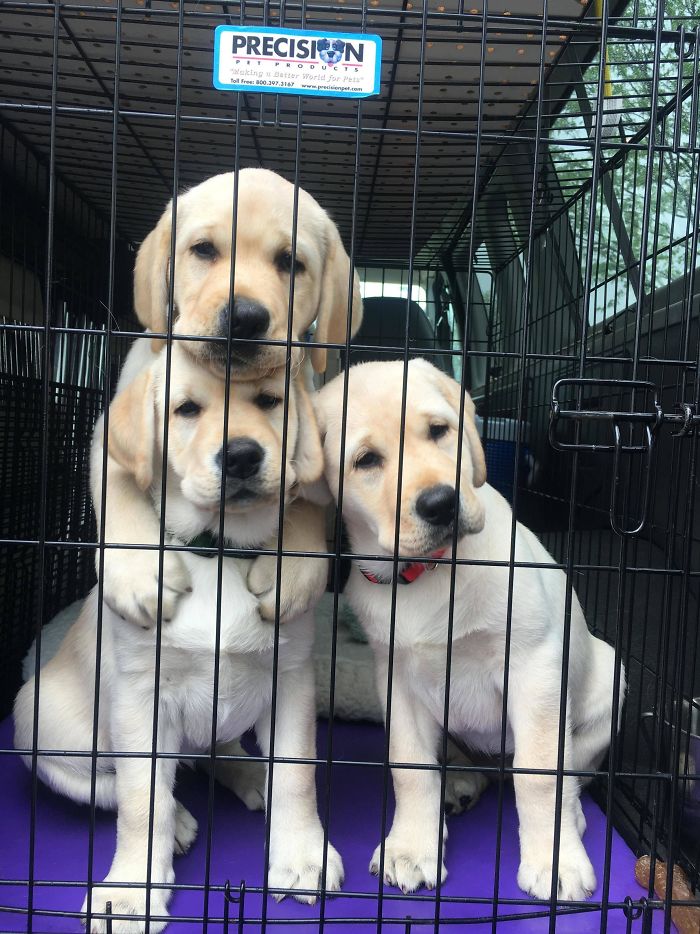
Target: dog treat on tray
686, 920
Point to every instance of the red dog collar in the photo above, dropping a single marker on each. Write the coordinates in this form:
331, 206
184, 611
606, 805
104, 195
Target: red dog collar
409, 574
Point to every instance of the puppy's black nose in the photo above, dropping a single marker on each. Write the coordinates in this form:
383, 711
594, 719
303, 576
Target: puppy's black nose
437, 504
250, 320
243, 458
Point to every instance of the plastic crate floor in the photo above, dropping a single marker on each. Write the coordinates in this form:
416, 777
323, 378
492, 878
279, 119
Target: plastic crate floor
61, 854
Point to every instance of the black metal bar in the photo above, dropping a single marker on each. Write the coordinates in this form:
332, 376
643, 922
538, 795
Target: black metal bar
164, 473
399, 479
102, 506
221, 536
45, 398
338, 524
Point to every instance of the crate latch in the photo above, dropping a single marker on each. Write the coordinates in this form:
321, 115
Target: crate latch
651, 420
234, 896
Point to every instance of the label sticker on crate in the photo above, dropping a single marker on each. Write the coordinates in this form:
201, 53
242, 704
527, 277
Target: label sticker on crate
296, 61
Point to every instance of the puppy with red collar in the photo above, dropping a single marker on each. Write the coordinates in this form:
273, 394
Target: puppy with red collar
431, 515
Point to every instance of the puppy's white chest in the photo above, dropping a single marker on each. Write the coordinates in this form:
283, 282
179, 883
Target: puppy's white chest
194, 627
243, 690
190, 664
475, 701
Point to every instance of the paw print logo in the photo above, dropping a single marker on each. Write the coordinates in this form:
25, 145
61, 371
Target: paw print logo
330, 51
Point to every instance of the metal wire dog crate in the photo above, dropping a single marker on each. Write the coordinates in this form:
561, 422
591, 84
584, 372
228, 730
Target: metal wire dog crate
522, 201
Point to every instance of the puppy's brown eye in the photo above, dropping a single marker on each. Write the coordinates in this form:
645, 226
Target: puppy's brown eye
188, 409
438, 431
205, 250
368, 460
284, 262
267, 401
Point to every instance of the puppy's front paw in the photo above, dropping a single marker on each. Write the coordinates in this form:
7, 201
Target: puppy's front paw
409, 863
246, 779
185, 829
576, 877
130, 902
463, 790
302, 584
296, 863
130, 584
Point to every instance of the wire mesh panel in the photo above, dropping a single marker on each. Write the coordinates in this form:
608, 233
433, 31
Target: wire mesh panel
519, 206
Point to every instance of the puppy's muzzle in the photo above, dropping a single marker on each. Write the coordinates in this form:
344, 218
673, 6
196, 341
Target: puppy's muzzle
243, 459
247, 321
439, 508
242, 462
436, 505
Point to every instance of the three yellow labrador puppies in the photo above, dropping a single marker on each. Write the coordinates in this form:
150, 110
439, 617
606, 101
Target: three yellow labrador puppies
278, 257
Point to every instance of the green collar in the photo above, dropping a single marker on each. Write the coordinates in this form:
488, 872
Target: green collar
206, 545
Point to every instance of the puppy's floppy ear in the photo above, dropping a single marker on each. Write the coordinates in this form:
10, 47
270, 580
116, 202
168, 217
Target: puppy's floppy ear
308, 453
320, 413
132, 428
332, 312
316, 490
151, 278
452, 391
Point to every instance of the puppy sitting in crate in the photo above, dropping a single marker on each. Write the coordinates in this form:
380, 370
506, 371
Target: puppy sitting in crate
251, 464
428, 514
270, 219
